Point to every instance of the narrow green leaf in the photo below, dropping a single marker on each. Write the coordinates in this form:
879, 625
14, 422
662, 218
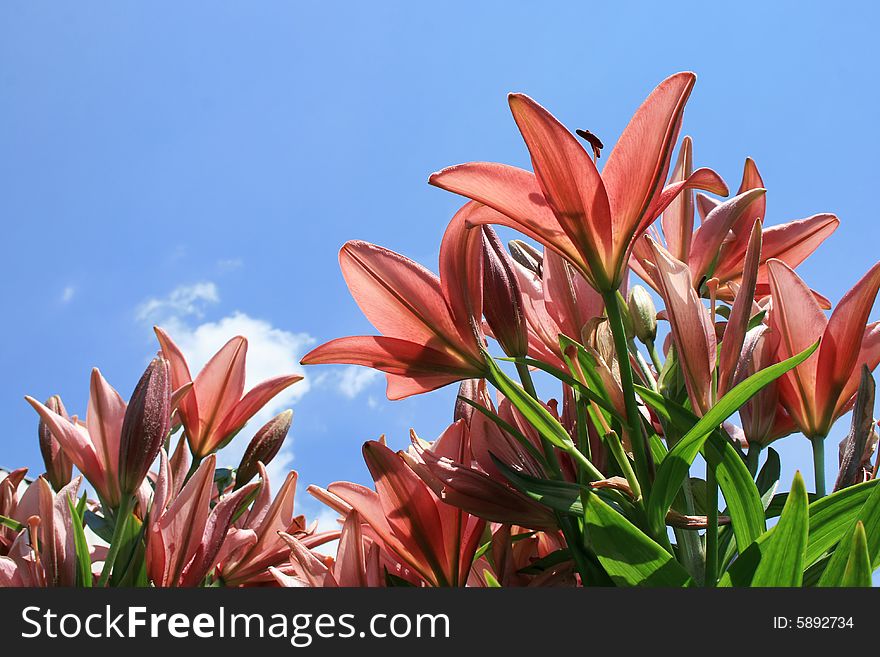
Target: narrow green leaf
14, 525
533, 411
868, 519
768, 477
675, 466
567, 379
628, 555
491, 582
743, 499
777, 558
507, 428
831, 515
858, 569
561, 496
98, 524
81, 548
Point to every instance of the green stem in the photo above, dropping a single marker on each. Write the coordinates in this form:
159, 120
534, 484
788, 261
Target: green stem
818, 443
571, 533
712, 527
644, 368
614, 444
123, 513
655, 357
549, 451
641, 453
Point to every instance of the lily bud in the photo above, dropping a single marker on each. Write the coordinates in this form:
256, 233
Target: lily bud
502, 298
642, 313
527, 255
59, 468
263, 447
145, 426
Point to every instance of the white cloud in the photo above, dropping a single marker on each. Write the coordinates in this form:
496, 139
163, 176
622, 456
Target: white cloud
67, 294
271, 352
353, 380
184, 301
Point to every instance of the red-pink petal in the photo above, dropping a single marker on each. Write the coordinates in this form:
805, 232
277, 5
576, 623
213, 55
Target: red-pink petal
842, 341
569, 180
799, 322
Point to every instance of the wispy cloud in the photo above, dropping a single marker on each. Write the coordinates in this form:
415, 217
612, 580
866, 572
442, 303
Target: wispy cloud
353, 380
68, 293
183, 301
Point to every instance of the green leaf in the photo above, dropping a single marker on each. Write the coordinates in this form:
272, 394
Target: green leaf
744, 504
532, 410
858, 569
14, 525
830, 517
777, 548
98, 524
782, 554
491, 582
553, 559
81, 547
745, 508
868, 519
675, 466
628, 555
768, 477
567, 379
507, 428
561, 496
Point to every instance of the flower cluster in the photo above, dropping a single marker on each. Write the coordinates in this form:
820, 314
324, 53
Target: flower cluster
630, 470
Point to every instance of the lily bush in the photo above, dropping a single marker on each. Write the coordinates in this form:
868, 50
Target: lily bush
651, 465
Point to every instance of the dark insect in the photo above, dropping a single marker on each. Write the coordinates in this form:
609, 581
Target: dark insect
593, 140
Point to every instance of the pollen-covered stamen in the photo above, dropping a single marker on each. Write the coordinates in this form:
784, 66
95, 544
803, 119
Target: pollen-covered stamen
594, 142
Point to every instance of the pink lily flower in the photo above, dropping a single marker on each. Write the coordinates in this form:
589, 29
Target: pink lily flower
185, 534
43, 554
718, 246
93, 446
430, 325
821, 389
9, 486
59, 468
217, 408
355, 563
436, 540
458, 468
558, 302
591, 219
764, 418
693, 332
267, 520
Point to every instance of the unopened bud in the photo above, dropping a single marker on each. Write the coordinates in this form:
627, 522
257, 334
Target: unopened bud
643, 314
527, 255
59, 468
263, 447
502, 298
145, 426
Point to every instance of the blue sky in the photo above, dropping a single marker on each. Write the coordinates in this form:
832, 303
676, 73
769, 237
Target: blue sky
200, 164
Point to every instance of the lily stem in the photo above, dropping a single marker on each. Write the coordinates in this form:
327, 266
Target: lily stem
711, 527
641, 454
529, 386
818, 443
123, 514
